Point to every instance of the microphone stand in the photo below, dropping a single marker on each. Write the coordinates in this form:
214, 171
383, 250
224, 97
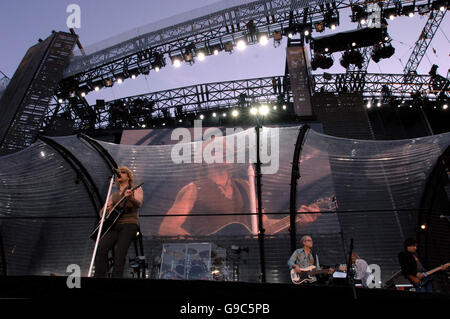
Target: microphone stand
350, 273
101, 224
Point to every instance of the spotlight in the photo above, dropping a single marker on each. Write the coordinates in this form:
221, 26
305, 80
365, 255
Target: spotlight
359, 14
382, 52
235, 113
331, 21
408, 11
241, 44
119, 80
321, 61
390, 13
263, 110
83, 94
319, 26
253, 111
445, 106
277, 36
214, 49
109, 82
202, 116
352, 57
263, 39
369, 104
159, 61
440, 4
214, 114
176, 61
228, 46
290, 31
201, 55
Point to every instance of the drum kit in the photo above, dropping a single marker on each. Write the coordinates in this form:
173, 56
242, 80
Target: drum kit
197, 261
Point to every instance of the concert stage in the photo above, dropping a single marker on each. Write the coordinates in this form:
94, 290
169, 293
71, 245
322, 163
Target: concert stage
183, 298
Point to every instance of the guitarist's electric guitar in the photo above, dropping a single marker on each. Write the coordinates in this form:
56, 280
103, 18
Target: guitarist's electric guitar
112, 216
306, 274
422, 282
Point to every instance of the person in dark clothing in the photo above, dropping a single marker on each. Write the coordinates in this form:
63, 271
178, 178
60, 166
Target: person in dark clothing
411, 266
121, 235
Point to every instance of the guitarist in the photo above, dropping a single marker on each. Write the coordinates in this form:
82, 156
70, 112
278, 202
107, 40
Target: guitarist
124, 231
411, 265
303, 258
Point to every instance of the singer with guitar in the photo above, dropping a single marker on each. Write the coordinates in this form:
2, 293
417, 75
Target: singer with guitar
124, 230
303, 261
413, 269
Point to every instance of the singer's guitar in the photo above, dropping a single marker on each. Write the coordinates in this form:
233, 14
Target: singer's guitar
112, 216
422, 282
306, 274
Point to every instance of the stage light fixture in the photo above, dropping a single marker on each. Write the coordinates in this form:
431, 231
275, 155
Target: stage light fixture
352, 57
382, 51
440, 5
241, 44
263, 39
408, 11
263, 110
235, 113
83, 94
359, 14
176, 60
423, 9
109, 82
445, 106
201, 55
214, 49
319, 26
228, 46
321, 61
97, 85
253, 111
277, 36
390, 13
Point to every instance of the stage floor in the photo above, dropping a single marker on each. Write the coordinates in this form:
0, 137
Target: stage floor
212, 299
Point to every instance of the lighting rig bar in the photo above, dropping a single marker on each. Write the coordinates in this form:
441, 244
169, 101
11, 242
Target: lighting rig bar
436, 16
220, 96
220, 30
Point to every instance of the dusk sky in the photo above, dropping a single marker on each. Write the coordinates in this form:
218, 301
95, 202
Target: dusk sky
24, 22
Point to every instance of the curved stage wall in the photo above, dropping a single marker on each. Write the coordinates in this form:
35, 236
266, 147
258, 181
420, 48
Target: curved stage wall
368, 191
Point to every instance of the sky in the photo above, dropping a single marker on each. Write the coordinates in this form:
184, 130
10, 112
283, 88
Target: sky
23, 22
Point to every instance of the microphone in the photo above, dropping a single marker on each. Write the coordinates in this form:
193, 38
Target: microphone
116, 172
